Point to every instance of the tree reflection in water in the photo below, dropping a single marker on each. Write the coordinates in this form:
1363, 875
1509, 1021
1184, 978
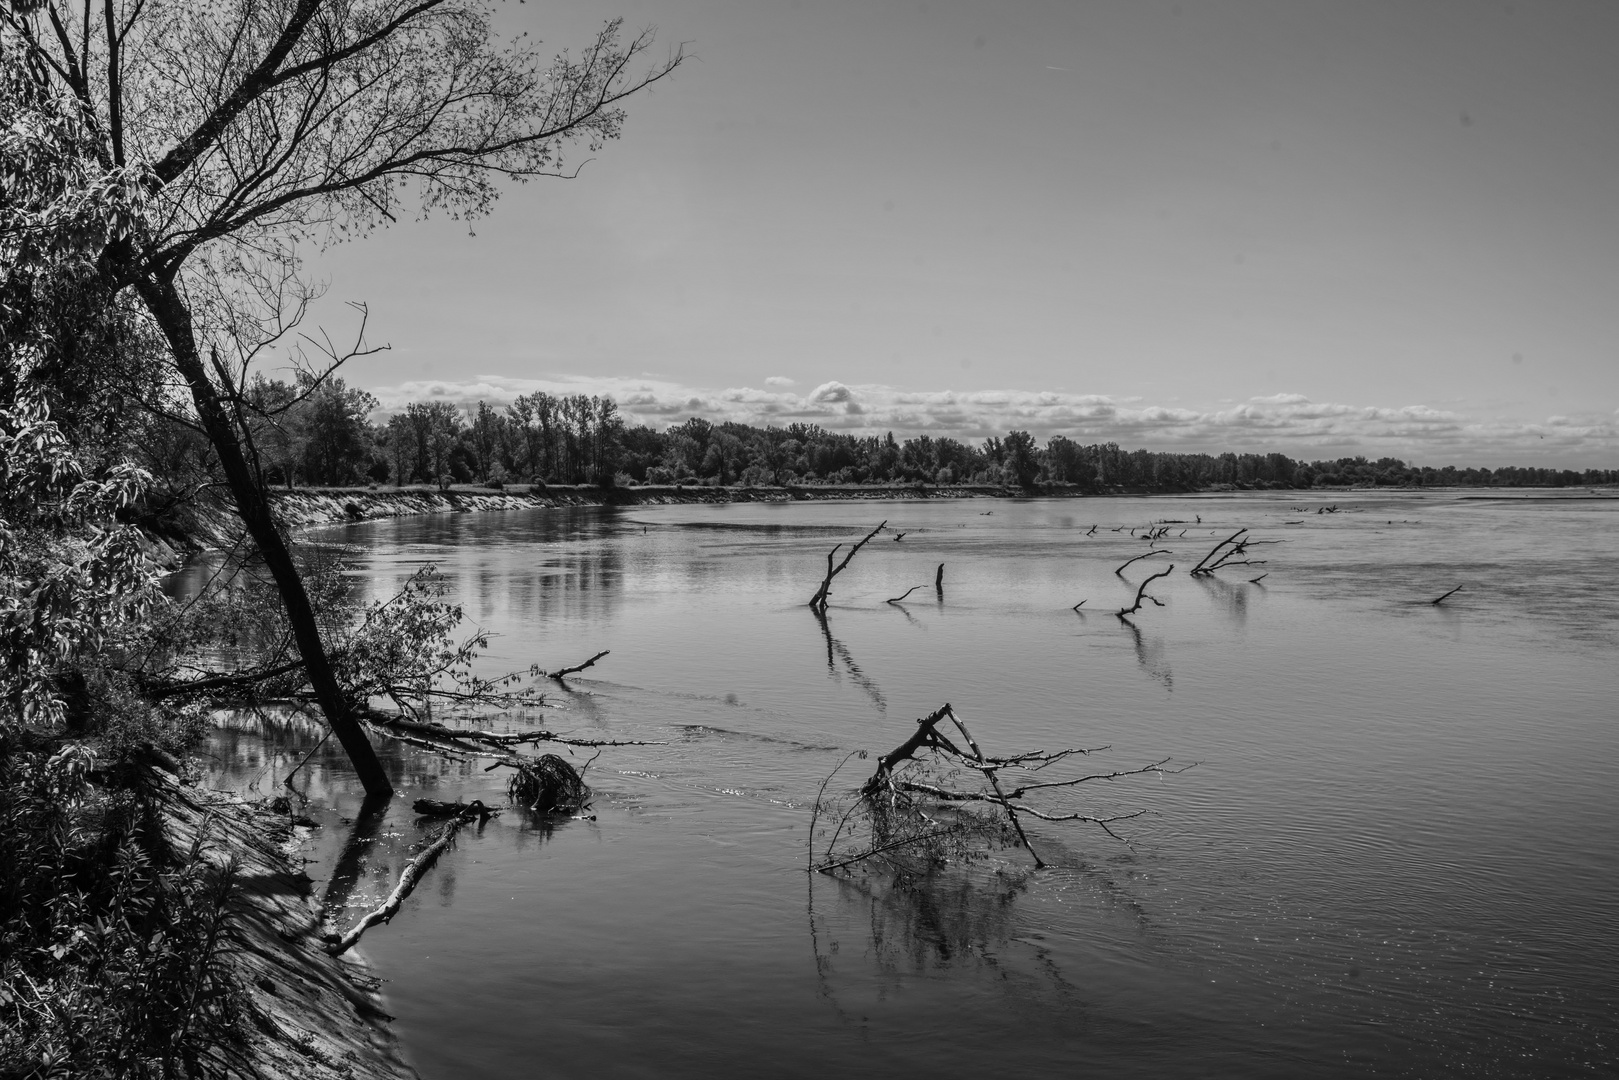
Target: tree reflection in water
958, 918
835, 651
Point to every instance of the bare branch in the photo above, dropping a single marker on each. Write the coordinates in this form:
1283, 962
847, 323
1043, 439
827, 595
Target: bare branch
1156, 551
559, 675
1141, 594
819, 600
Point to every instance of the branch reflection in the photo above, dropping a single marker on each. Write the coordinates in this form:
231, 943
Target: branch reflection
1150, 655
835, 651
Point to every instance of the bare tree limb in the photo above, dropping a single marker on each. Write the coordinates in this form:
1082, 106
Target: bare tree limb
819, 600
1141, 594
564, 672
1441, 599
407, 883
1156, 551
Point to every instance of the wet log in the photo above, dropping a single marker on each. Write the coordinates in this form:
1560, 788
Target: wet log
413, 872
435, 808
565, 672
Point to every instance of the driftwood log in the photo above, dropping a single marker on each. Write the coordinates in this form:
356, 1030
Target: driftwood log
435, 808
413, 872
563, 673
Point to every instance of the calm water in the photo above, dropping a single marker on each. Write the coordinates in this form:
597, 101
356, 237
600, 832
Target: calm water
1398, 853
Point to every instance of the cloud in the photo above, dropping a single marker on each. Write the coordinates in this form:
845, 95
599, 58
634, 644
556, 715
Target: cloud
1286, 423
780, 380
830, 392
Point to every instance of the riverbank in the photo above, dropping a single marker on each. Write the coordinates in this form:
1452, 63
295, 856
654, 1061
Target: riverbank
312, 1016
321, 506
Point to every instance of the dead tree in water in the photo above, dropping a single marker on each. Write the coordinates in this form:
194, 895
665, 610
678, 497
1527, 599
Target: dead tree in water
1230, 552
819, 600
912, 809
1141, 594
1441, 599
938, 581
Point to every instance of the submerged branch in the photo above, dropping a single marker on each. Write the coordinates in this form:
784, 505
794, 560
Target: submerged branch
407, 883
1156, 551
563, 673
1141, 594
819, 600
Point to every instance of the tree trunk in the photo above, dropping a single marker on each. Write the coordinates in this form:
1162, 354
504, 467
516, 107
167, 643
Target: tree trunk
253, 505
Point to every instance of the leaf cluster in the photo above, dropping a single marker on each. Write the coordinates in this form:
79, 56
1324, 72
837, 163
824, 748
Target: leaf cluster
114, 945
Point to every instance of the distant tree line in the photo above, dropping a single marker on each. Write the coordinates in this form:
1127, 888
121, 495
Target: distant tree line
325, 439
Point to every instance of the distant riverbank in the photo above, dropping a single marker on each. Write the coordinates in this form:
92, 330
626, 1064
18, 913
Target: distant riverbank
321, 506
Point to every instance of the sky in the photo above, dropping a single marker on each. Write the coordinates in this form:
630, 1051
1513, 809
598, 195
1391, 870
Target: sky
1379, 227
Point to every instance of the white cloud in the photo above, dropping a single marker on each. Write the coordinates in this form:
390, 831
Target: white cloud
780, 380
1286, 423
830, 392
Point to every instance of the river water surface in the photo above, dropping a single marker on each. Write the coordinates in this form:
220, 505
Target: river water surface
1398, 852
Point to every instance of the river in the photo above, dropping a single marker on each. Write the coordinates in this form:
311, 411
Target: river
1396, 852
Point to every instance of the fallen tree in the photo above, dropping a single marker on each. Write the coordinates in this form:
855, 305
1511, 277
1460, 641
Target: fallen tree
915, 811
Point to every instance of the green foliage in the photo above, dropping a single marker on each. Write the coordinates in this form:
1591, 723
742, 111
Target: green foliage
114, 945
73, 580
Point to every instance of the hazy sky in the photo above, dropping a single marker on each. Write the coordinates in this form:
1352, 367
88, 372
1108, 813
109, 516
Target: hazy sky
1319, 228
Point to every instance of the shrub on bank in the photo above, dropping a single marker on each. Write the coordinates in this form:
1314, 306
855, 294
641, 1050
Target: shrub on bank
113, 943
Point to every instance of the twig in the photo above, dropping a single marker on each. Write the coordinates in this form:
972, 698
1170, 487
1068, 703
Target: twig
903, 595
1437, 600
1257, 580
815, 811
1079, 605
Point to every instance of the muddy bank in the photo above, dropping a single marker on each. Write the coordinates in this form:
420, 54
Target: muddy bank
319, 506
310, 1015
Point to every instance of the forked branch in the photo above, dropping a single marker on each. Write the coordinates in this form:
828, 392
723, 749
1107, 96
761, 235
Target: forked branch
1142, 594
819, 600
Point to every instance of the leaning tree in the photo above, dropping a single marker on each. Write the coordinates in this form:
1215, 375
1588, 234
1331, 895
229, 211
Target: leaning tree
219, 137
